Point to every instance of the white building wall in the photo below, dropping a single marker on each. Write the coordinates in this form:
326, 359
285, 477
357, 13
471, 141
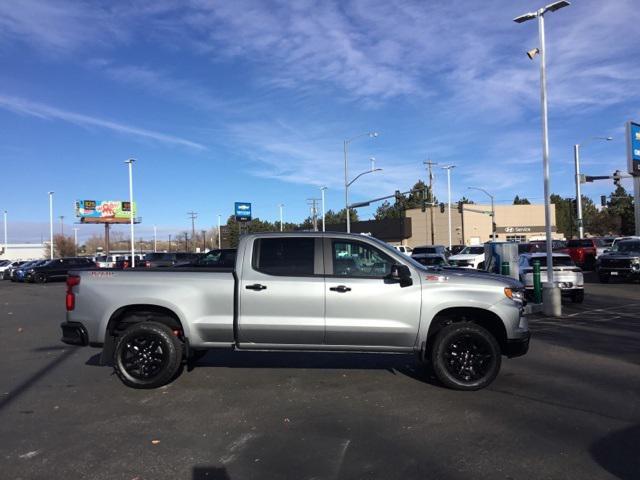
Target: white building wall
22, 251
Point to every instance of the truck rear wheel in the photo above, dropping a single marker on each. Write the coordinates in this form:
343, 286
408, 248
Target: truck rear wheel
465, 356
147, 355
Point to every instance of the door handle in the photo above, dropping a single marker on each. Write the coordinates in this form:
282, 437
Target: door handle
340, 288
256, 286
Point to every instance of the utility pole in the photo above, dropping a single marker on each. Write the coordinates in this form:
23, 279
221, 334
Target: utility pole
323, 189
430, 164
193, 216
204, 240
75, 239
5, 233
313, 202
155, 239
281, 227
169, 243
61, 217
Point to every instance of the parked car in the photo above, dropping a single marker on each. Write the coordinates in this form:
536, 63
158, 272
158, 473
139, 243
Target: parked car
219, 258
584, 251
432, 260
469, 257
10, 271
5, 265
107, 261
455, 249
124, 261
541, 246
56, 269
620, 239
622, 261
427, 251
300, 291
566, 274
20, 273
404, 249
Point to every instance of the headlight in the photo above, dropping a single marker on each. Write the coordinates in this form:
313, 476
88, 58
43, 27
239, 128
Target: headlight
515, 295
31, 270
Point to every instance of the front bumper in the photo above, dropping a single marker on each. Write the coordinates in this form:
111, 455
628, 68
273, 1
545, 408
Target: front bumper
619, 272
517, 347
74, 333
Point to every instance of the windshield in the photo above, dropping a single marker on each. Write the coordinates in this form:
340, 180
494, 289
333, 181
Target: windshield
421, 250
472, 251
557, 261
627, 246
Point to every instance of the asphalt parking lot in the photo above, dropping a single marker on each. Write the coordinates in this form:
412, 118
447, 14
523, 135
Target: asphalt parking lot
569, 409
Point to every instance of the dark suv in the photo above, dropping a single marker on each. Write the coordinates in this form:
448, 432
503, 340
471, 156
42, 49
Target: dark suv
164, 259
57, 269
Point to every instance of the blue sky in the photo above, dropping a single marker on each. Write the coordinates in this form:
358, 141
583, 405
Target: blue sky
251, 101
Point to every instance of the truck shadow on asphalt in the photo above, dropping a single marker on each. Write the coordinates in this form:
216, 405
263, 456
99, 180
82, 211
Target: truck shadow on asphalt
619, 453
404, 364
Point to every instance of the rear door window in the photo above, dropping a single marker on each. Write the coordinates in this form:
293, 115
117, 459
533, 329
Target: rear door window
284, 256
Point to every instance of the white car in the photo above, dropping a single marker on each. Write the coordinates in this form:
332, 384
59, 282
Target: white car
566, 274
107, 261
5, 265
469, 257
403, 249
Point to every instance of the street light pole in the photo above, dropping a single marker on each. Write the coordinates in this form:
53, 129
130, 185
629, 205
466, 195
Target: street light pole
281, 227
6, 245
576, 158
346, 173
51, 225
493, 211
448, 169
75, 239
219, 232
322, 190
551, 294
61, 217
133, 247
155, 239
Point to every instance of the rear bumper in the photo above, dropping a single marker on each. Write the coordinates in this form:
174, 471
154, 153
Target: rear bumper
74, 333
518, 347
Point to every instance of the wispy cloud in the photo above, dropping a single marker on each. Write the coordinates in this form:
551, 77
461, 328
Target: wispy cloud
46, 112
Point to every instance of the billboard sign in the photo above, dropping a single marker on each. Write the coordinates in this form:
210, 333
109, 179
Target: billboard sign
633, 148
104, 211
242, 211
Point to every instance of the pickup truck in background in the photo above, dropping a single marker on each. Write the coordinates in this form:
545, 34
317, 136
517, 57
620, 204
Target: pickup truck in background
299, 291
584, 251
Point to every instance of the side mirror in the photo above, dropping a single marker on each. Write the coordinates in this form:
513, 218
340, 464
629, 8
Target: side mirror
400, 274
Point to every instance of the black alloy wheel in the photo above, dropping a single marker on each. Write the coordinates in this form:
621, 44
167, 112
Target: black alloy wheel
40, 278
148, 355
465, 356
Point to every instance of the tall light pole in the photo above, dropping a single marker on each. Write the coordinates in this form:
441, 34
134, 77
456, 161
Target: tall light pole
493, 211
346, 173
133, 243
61, 217
75, 239
6, 245
448, 169
576, 158
551, 294
155, 239
322, 190
281, 206
51, 225
219, 231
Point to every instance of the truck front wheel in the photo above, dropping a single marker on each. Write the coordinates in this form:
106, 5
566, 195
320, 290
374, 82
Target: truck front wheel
465, 356
147, 355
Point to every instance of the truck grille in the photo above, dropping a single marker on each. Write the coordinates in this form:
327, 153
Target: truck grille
616, 263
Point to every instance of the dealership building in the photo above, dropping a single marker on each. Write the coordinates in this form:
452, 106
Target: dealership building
472, 226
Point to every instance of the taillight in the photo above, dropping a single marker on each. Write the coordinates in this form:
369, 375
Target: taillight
70, 300
147, 264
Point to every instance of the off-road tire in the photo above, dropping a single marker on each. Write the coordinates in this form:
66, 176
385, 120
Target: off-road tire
465, 356
147, 355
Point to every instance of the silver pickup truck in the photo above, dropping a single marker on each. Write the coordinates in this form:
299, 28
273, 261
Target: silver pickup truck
299, 291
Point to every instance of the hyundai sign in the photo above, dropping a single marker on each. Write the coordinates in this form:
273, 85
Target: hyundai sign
633, 148
243, 211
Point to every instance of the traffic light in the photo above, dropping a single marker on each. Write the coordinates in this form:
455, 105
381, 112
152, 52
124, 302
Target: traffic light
442, 208
398, 196
424, 204
460, 207
574, 204
603, 200
616, 178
